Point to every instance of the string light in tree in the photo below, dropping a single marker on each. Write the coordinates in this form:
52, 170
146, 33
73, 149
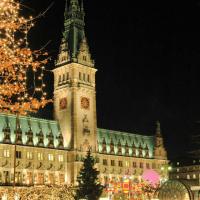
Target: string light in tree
17, 60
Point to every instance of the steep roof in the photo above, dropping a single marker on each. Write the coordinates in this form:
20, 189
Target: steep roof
124, 138
36, 125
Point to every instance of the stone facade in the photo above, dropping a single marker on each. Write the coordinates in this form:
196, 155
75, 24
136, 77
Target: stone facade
51, 152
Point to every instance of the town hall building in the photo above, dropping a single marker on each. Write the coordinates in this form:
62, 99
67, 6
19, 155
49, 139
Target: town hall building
51, 152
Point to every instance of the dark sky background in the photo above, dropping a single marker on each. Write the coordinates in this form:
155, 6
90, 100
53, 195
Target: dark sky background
147, 54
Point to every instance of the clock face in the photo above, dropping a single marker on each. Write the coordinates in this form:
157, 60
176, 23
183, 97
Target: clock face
85, 103
63, 103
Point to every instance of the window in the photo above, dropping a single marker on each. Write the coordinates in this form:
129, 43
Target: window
63, 77
105, 162
112, 163
40, 156
84, 77
59, 80
84, 58
60, 158
67, 75
18, 154
188, 176
29, 155
88, 78
134, 164
153, 165
194, 176
127, 163
50, 157
80, 77
141, 165
120, 163
6, 153
147, 166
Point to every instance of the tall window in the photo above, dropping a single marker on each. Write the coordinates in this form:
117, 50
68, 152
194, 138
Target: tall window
60, 158
134, 164
147, 165
88, 78
105, 162
18, 154
83, 77
67, 75
6, 153
80, 76
127, 163
120, 163
50, 157
112, 163
29, 155
59, 80
141, 165
40, 156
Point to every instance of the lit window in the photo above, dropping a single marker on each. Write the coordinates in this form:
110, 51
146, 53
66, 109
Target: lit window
60, 158
194, 176
40, 156
18, 154
188, 176
6, 153
50, 157
105, 162
29, 155
127, 163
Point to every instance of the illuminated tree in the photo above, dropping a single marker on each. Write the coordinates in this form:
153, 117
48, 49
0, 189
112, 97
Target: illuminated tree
89, 186
19, 64
35, 193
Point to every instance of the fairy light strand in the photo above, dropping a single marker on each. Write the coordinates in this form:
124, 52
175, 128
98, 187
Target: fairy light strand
16, 59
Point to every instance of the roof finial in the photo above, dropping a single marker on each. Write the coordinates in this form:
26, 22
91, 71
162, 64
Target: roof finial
158, 130
66, 6
82, 6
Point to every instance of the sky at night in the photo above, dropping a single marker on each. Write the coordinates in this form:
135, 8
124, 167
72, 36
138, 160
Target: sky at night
147, 56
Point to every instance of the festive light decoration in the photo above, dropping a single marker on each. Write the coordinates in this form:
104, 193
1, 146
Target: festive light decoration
35, 193
18, 62
130, 189
151, 176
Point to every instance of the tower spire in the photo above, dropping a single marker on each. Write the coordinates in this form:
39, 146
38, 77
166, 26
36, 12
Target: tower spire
66, 6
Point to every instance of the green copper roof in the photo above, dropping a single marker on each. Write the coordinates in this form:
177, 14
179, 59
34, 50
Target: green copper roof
125, 139
74, 25
39, 127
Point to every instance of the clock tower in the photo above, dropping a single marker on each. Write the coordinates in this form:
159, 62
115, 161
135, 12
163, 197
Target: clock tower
74, 83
